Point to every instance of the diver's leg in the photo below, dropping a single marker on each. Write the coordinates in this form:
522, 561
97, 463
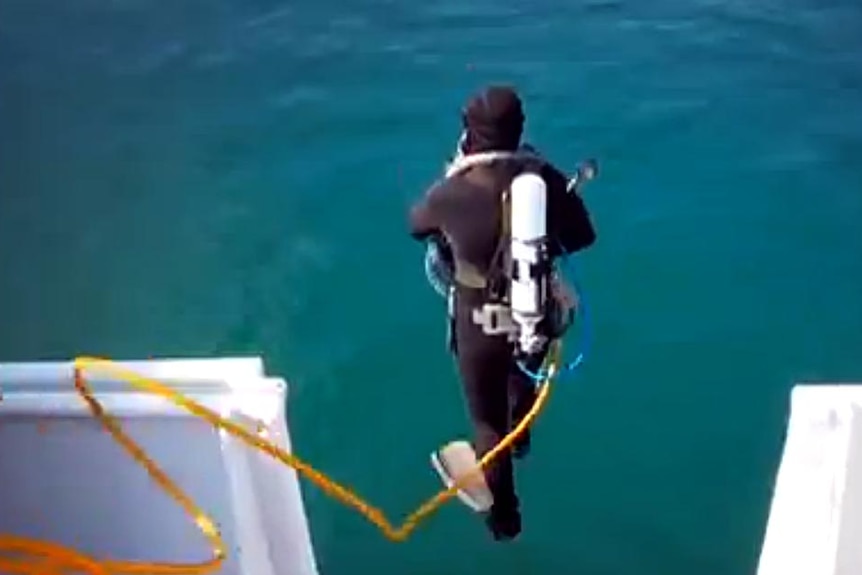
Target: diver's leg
483, 363
523, 392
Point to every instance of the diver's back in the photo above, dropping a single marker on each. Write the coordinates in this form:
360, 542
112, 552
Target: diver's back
474, 212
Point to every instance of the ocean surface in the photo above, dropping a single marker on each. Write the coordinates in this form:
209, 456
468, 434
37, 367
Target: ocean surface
205, 178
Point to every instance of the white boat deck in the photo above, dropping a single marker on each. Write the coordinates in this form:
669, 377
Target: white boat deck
815, 521
66, 480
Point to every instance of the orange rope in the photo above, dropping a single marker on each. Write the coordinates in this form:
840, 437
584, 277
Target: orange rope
24, 556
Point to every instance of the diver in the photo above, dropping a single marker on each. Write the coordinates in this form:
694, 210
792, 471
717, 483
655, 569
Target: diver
468, 212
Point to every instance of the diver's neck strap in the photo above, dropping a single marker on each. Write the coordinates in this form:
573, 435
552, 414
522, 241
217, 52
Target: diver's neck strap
466, 161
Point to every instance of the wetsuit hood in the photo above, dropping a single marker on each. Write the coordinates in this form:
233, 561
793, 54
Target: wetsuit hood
493, 120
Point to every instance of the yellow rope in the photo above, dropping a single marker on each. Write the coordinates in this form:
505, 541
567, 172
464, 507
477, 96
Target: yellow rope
19, 555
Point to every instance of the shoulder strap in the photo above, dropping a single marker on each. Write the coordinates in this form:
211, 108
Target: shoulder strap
499, 269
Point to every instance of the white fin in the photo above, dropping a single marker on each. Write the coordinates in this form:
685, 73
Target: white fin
458, 459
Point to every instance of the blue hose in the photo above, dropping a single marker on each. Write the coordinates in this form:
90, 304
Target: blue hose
585, 338
437, 270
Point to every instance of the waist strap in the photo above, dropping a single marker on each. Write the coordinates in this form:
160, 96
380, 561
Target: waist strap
495, 319
467, 275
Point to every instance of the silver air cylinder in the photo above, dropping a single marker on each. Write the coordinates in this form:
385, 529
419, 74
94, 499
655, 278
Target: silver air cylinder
529, 234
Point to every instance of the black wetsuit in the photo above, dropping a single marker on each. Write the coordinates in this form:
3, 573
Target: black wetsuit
467, 210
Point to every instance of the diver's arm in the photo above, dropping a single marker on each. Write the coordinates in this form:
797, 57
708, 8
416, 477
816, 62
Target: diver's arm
569, 220
424, 214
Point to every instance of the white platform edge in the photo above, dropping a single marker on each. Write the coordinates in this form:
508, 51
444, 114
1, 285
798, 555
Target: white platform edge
48, 389
169, 368
272, 527
816, 507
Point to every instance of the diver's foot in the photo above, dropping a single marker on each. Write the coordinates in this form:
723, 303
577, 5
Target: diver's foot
521, 448
504, 527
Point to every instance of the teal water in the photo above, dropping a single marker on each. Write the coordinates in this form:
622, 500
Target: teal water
201, 178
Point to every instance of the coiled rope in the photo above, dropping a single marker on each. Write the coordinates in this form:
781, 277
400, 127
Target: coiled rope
26, 556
